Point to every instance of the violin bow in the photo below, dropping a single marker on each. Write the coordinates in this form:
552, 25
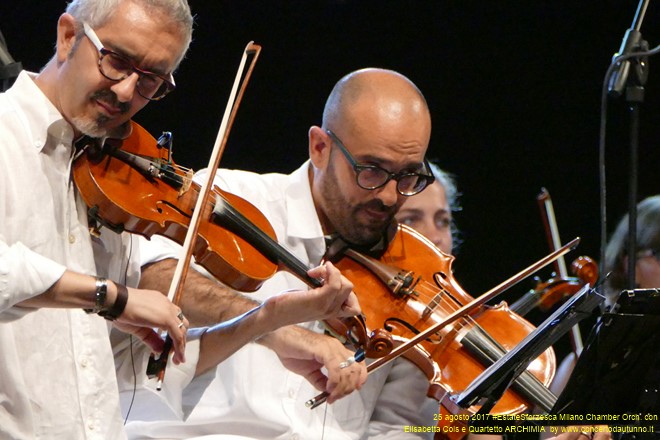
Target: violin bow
458, 313
181, 271
552, 234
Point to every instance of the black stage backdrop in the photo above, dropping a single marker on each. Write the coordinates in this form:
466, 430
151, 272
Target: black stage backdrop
514, 90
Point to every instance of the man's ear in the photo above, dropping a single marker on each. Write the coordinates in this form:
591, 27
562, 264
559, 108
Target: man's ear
66, 37
319, 147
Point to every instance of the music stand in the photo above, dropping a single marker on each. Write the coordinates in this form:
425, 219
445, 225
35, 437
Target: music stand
489, 386
619, 370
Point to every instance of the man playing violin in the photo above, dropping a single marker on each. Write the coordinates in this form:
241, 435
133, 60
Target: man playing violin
56, 376
366, 158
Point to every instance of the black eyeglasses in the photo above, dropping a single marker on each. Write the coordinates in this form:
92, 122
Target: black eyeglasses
655, 253
117, 67
408, 183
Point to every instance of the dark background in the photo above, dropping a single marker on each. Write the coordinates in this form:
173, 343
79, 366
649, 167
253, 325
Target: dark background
514, 90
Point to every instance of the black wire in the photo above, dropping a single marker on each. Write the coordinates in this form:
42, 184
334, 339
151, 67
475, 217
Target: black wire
602, 143
130, 337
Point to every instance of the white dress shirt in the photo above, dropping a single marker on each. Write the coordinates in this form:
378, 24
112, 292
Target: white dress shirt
252, 396
56, 375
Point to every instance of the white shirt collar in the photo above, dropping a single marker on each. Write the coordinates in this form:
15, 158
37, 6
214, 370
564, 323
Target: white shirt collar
41, 117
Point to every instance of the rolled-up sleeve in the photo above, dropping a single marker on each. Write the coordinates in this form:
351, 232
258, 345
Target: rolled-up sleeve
24, 274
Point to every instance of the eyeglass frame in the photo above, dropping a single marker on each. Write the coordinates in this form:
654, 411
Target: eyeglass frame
429, 178
102, 51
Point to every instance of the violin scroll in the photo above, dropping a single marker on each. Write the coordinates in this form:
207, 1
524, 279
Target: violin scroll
585, 269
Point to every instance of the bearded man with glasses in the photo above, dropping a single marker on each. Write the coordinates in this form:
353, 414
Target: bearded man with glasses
365, 159
58, 281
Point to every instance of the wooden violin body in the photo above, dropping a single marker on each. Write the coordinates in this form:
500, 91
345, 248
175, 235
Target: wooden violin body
420, 291
546, 294
126, 197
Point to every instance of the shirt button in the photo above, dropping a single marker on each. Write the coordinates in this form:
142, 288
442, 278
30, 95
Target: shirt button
91, 426
292, 393
295, 437
84, 362
72, 238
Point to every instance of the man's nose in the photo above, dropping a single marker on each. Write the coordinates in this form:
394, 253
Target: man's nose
125, 88
388, 193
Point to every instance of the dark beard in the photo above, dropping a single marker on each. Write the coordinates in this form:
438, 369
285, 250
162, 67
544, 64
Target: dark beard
345, 218
97, 127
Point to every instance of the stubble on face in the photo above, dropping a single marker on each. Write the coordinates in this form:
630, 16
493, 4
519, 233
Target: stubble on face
351, 220
96, 124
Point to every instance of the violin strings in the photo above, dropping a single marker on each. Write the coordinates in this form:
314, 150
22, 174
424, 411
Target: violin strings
172, 168
448, 306
538, 387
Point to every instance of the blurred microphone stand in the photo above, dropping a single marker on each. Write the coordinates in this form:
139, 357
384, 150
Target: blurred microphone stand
9, 69
627, 81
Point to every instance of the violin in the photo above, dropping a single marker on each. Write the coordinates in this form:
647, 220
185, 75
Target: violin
133, 185
403, 302
545, 294
560, 286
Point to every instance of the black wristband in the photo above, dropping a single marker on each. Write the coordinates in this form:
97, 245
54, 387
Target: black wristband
101, 294
118, 307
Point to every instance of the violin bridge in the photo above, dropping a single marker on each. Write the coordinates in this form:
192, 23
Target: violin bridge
187, 182
433, 304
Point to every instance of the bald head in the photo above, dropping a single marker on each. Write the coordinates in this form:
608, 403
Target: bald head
369, 96
378, 119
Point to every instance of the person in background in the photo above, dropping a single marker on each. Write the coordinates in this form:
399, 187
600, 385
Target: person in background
431, 212
647, 276
647, 267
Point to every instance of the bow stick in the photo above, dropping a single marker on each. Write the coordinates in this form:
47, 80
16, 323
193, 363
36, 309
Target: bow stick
157, 367
552, 232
